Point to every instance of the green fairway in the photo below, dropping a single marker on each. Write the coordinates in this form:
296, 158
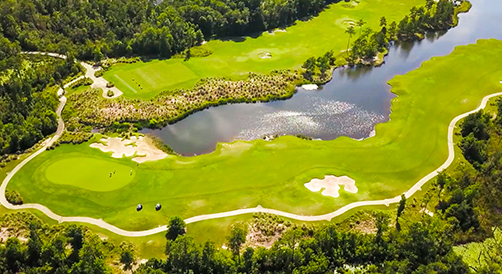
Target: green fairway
236, 58
273, 174
89, 173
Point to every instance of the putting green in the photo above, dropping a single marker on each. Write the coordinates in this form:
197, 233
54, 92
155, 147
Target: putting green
273, 173
236, 58
89, 173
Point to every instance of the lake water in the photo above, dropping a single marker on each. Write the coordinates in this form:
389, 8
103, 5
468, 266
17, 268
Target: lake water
351, 104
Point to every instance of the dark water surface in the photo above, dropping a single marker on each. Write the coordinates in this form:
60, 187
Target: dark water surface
351, 104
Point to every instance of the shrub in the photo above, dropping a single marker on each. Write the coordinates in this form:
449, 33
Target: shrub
75, 138
13, 197
110, 93
110, 85
99, 73
82, 82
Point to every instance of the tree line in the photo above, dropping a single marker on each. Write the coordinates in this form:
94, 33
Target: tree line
433, 16
97, 28
27, 107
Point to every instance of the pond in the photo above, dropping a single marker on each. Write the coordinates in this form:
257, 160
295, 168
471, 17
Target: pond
351, 104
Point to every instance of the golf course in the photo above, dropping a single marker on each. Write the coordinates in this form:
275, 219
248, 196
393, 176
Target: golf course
235, 58
78, 180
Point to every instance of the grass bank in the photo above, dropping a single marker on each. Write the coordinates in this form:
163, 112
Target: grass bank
235, 58
272, 174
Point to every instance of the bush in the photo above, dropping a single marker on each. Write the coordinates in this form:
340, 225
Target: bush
110, 93
74, 138
110, 85
99, 73
82, 82
13, 197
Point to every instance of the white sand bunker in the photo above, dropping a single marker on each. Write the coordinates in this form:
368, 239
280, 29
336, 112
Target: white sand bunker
310, 87
265, 55
141, 149
331, 185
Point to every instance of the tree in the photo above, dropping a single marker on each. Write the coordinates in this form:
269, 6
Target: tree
34, 248
176, 228
127, 257
360, 24
402, 204
309, 65
236, 238
441, 181
383, 22
350, 31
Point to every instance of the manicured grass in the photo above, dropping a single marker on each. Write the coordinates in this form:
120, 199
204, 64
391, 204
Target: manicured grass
236, 58
105, 175
272, 174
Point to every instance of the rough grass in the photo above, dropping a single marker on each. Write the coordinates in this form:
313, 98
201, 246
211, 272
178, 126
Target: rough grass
272, 174
236, 58
475, 254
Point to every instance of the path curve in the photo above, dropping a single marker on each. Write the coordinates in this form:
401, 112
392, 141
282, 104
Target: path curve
258, 209
98, 82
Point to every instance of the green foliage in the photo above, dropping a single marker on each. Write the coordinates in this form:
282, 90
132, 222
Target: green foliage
161, 145
237, 238
141, 27
176, 227
82, 82
27, 107
478, 124
110, 93
431, 17
170, 106
69, 137
127, 257
13, 197
99, 73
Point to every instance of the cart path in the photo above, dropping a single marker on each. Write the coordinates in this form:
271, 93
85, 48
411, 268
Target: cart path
98, 82
324, 217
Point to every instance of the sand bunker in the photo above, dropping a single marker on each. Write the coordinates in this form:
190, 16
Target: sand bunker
265, 55
141, 148
331, 185
310, 87
272, 32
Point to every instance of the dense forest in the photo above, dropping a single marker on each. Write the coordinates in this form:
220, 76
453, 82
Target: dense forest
97, 28
27, 107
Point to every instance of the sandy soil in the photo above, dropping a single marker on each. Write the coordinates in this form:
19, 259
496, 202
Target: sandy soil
265, 55
310, 87
142, 148
272, 32
5, 234
331, 185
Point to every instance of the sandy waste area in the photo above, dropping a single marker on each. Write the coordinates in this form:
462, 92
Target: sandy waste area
331, 185
141, 147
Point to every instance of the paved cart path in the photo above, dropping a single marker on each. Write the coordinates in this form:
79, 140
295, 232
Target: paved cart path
324, 217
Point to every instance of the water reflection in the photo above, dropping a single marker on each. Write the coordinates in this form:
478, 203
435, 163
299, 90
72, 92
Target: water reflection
350, 105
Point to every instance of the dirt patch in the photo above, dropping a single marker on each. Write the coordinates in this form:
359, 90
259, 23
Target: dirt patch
6, 233
265, 55
140, 148
265, 230
331, 185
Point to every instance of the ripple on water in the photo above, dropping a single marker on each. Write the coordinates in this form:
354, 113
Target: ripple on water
326, 120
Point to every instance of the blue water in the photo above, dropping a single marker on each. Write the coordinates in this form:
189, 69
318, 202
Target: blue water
351, 104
